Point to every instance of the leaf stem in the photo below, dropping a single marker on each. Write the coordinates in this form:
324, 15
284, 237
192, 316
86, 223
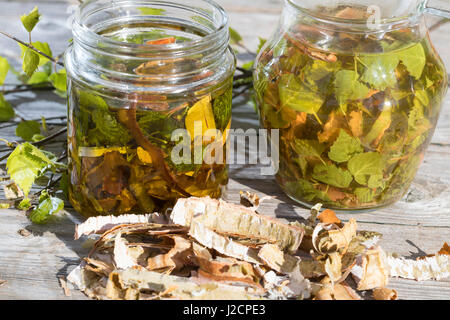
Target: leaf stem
32, 48
26, 89
41, 142
49, 138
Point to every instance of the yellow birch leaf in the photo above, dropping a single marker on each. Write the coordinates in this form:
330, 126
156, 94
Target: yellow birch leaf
144, 156
356, 123
202, 113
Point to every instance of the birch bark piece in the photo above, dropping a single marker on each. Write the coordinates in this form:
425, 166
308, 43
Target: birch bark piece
236, 220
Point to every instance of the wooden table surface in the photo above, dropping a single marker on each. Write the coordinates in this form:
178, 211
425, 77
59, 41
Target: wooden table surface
31, 266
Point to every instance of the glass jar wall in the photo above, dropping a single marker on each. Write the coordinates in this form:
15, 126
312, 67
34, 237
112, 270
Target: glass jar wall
356, 103
139, 71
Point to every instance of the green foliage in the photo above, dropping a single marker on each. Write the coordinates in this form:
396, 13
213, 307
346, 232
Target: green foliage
109, 131
380, 70
30, 62
25, 164
309, 148
4, 68
59, 80
307, 190
47, 208
235, 37
44, 47
364, 195
152, 11
297, 96
364, 165
28, 129
38, 77
344, 148
222, 109
414, 59
30, 20
348, 87
6, 110
332, 175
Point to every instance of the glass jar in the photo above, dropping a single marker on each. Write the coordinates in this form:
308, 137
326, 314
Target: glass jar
356, 92
144, 78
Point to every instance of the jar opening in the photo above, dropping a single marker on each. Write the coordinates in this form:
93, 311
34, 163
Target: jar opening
130, 26
362, 15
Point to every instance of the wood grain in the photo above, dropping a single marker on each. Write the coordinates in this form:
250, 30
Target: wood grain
418, 224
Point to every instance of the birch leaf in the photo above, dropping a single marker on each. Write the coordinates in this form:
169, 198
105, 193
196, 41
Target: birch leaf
201, 114
414, 60
366, 164
332, 175
48, 207
297, 96
309, 148
6, 110
25, 164
344, 148
30, 62
30, 20
380, 70
4, 68
348, 87
379, 127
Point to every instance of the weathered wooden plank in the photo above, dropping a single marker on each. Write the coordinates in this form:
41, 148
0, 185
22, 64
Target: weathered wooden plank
31, 265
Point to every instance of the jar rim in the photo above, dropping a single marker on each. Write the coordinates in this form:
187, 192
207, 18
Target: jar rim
381, 25
91, 38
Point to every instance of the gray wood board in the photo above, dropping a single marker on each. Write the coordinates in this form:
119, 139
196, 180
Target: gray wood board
418, 224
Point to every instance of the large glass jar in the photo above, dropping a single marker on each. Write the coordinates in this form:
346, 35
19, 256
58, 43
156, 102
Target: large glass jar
355, 90
144, 78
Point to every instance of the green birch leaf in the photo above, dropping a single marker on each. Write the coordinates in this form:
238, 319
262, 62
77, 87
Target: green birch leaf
332, 175
305, 189
261, 44
30, 20
4, 68
344, 148
25, 204
364, 195
48, 207
414, 59
380, 126
152, 11
27, 129
39, 77
37, 137
348, 87
25, 164
222, 109
235, 37
376, 181
364, 165
30, 62
6, 110
41, 46
380, 70
302, 163
59, 80
44, 48
309, 148
297, 96
319, 69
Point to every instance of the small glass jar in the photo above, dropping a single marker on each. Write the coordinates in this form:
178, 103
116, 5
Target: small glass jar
356, 91
138, 72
